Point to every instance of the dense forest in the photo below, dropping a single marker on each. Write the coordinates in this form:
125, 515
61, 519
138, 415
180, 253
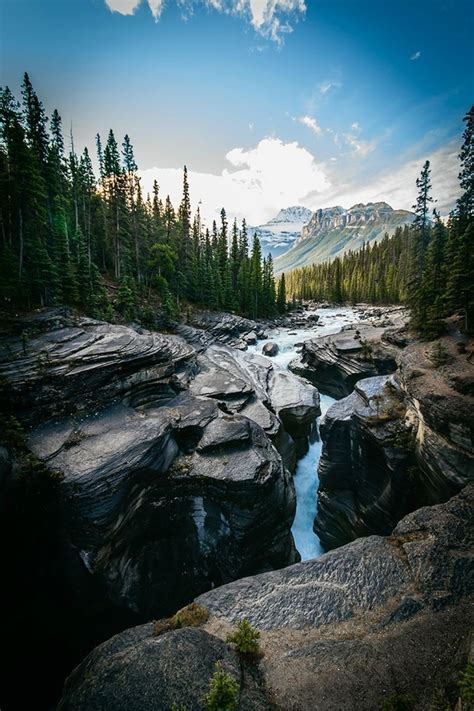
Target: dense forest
428, 265
98, 243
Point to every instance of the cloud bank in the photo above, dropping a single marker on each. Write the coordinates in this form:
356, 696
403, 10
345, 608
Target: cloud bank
261, 180
257, 184
270, 18
398, 187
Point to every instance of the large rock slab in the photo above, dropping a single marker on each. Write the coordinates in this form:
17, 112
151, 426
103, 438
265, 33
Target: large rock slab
378, 617
85, 363
137, 671
209, 328
247, 383
335, 363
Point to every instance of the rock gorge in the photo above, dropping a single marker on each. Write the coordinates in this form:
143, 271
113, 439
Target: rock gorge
171, 458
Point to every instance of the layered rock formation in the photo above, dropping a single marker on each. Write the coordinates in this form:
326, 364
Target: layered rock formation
169, 482
335, 363
395, 444
379, 619
210, 328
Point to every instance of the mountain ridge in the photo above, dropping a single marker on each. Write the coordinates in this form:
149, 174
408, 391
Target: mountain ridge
278, 234
332, 231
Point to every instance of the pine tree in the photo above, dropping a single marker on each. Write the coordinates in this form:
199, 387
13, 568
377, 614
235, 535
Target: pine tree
281, 298
417, 298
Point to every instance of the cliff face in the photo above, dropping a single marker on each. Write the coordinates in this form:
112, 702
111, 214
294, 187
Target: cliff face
396, 444
149, 471
335, 230
376, 618
169, 483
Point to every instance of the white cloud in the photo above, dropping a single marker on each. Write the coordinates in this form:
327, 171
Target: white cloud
311, 123
258, 184
415, 56
327, 85
125, 7
355, 126
361, 148
398, 187
156, 7
269, 18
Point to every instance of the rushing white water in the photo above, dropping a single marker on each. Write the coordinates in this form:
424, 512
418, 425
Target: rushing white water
306, 474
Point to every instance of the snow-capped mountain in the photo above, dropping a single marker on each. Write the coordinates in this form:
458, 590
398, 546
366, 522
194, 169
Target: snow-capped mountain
277, 235
335, 230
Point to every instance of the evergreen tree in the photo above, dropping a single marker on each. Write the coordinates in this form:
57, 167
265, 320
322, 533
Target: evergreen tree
281, 298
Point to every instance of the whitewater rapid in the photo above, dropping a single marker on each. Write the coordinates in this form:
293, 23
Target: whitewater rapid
306, 474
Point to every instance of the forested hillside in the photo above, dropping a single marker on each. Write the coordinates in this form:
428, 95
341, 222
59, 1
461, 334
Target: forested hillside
428, 265
96, 242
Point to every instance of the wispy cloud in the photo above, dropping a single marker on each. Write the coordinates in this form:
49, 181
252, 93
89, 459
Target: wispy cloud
361, 148
398, 186
327, 85
415, 56
270, 18
355, 126
311, 123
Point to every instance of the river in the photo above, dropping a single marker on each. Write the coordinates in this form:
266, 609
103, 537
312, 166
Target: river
306, 474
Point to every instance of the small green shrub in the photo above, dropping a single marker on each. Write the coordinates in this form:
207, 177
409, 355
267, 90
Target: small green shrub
246, 638
440, 702
439, 355
12, 433
366, 351
223, 691
466, 685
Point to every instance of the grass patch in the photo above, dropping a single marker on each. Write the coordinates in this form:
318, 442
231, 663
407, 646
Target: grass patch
192, 615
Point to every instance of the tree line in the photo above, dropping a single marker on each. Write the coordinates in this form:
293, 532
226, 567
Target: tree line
428, 265
96, 242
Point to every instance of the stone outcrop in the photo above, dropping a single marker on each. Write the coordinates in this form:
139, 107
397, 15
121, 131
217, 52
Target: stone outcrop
283, 405
335, 363
367, 473
168, 483
378, 619
137, 670
395, 444
208, 328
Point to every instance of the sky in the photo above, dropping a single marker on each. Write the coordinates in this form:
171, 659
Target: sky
269, 103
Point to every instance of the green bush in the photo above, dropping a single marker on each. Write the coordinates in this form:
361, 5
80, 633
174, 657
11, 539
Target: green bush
246, 638
466, 685
223, 691
439, 355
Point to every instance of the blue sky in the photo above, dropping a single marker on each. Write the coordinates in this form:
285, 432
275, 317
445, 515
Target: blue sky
345, 107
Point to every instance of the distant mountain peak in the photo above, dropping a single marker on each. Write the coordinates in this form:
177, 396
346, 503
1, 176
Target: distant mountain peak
278, 234
295, 213
332, 231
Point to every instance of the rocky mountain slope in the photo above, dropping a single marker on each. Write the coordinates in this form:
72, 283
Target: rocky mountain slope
278, 235
335, 230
